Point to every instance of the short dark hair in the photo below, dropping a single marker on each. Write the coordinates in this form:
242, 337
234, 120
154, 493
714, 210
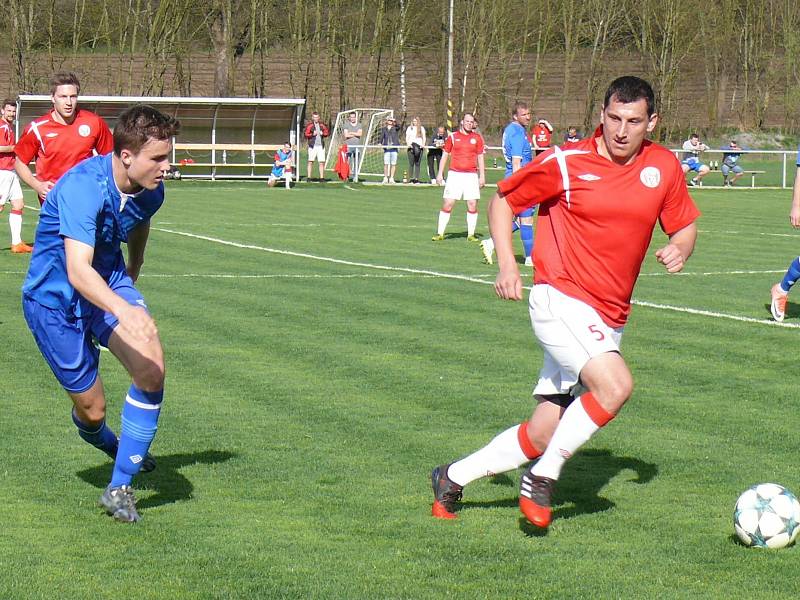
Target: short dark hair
9, 102
630, 89
139, 124
695, 135
517, 106
64, 78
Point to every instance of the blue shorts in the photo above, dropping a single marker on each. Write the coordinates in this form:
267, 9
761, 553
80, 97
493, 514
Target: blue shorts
65, 341
693, 163
528, 212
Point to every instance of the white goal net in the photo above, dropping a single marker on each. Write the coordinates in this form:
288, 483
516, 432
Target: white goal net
369, 156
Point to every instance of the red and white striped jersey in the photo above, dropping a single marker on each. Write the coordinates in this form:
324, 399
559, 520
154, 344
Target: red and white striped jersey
464, 149
7, 138
596, 218
57, 148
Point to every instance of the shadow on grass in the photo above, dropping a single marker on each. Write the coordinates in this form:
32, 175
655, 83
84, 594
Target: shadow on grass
167, 481
582, 479
792, 309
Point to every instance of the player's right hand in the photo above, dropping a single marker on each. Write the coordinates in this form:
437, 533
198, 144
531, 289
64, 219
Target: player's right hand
794, 216
43, 187
508, 284
138, 323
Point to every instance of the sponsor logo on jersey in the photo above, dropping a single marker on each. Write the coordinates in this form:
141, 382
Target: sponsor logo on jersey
51, 135
84, 130
650, 177
589, 177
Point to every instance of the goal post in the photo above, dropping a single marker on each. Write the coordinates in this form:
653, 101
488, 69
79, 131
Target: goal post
369, 155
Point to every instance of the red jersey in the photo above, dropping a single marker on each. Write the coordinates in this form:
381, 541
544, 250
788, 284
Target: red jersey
57, 148
7, 138
541, 135
464, 149
596, 218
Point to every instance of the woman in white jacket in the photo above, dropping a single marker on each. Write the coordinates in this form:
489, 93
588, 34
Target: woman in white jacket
415, 141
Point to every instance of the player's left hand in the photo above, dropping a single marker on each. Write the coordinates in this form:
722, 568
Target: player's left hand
671, 257
481, 182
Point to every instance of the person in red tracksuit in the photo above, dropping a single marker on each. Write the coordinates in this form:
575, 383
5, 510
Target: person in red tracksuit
316, 131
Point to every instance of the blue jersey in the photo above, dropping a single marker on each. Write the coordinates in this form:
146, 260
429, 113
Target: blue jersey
280, 155
798, 156
85, 205
516, 143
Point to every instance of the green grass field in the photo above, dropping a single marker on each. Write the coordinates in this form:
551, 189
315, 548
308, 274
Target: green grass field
323, 355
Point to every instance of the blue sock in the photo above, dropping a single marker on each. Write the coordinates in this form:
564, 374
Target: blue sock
139, 423
792, 275
100, 436
526, 235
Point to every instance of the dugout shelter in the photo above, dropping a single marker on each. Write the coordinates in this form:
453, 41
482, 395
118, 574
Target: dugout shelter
220, 138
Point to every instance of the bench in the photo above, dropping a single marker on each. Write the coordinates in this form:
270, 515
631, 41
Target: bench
751, 173
216, 149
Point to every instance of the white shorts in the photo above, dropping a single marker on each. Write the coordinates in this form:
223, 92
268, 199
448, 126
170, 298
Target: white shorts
460, 185
570, 332
316, 153
390, 157
9, 187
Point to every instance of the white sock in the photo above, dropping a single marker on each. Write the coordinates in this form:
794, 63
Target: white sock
573, 431
502, 454
444, 219
15, 223
488, 243
472, 222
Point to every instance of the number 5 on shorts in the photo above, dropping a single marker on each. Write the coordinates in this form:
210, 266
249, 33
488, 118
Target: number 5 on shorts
599, 335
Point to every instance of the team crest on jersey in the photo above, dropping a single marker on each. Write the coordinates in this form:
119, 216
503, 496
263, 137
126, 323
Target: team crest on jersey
473, 141
650, 176
84, 130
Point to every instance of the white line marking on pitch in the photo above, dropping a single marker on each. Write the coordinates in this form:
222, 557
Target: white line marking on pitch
337, 261
718, 315
693, 311
287, 276
710, 273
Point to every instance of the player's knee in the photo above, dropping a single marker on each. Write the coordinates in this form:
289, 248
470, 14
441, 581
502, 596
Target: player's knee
150, 374
17, 204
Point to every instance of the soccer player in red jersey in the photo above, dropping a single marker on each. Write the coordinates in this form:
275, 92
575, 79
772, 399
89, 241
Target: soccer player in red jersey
10, 191
60, 139
599, 201
466, 176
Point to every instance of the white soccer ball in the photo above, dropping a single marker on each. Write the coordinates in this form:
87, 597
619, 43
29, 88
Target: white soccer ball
767, 516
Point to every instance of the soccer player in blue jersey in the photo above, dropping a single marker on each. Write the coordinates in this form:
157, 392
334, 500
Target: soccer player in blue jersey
282, 166
692, 149
780, 291
79, 287
518, 152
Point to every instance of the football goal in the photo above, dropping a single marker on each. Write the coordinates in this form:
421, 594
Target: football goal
369, 156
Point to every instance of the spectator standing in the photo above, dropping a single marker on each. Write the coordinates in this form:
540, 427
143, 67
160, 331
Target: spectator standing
415, 142
390, 140
316, 131
730, 164
435, 153
541, 134
692, 149
352, 137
